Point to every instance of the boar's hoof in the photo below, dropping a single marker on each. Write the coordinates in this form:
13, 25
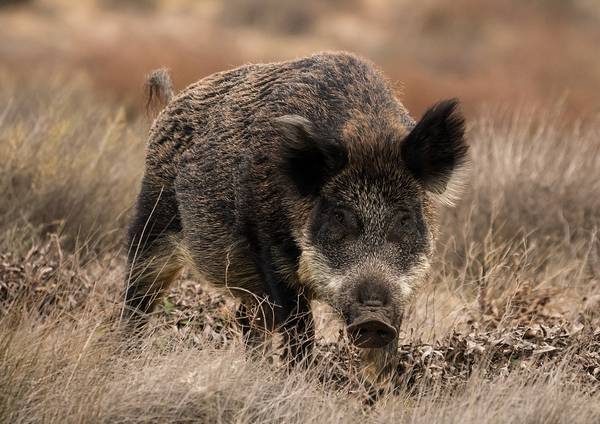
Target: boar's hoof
371, 333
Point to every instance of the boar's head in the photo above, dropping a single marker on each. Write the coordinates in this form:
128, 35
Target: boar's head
368, 233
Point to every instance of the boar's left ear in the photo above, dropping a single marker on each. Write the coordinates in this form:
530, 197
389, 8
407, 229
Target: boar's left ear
435, 151
307, 158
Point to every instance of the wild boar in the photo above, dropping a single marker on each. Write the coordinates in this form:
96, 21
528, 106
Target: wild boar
293, 181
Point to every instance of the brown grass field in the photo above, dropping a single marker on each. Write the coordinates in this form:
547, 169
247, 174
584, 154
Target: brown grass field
508, 328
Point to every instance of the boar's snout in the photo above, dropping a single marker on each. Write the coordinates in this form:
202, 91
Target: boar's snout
371, 332
371, 324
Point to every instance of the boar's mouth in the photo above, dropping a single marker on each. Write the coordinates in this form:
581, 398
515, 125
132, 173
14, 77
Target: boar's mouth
370, 331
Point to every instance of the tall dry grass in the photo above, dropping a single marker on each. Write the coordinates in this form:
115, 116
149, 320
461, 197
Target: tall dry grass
70, 163
521, 248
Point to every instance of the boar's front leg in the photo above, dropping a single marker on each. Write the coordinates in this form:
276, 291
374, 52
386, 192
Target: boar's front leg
299, 332
256, 320
251, 319
284, 309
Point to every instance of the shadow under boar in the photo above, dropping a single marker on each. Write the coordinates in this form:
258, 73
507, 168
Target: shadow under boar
293, 181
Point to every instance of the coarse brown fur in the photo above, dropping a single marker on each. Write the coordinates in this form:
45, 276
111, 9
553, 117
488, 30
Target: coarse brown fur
239, 166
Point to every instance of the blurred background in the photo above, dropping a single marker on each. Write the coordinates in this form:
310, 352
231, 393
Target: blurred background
506, 53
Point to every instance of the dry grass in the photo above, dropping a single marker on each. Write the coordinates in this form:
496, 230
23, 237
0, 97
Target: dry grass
70, 164
507, 330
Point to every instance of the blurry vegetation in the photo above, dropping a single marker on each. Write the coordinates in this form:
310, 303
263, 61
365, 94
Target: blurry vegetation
131, 5
276, 15
15, 2
283, 16
482, 51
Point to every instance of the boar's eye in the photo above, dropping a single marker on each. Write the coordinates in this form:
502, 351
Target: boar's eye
339, 217
402, 225
342, 223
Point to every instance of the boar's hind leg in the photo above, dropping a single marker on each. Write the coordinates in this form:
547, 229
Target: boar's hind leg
155, 253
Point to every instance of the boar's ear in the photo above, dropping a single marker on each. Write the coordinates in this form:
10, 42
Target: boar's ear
307, 158
435, 151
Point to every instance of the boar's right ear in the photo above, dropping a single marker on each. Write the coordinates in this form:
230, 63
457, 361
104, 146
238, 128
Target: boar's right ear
435, 151
307, 158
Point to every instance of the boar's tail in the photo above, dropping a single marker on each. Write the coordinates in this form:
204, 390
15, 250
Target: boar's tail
159, 90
